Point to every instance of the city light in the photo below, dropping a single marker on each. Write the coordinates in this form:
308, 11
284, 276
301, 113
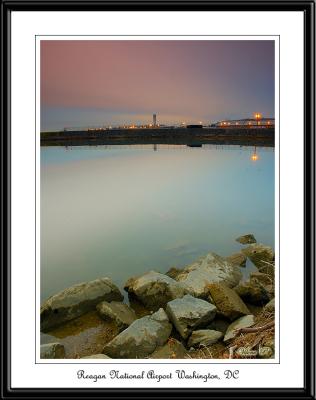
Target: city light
258, 116
254, 157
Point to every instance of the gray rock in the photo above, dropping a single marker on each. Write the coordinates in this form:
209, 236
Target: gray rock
262, 257
52, 350
237, 259
209, 269
141, 338
154, 290
242, 322
246, 239
116, 311
96, 356
75, 301
189, 313
204, 337
227, 301
173, 349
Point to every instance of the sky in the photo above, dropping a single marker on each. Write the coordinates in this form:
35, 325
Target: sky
89, 83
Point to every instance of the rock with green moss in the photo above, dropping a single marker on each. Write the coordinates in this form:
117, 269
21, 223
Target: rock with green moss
227, 301
76, 301
246, 239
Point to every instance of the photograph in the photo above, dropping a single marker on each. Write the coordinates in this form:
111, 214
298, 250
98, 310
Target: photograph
157, 173
158, 199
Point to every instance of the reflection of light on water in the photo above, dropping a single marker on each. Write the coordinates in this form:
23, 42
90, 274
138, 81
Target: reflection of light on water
254, 155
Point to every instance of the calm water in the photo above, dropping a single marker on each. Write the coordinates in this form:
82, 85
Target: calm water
118, 211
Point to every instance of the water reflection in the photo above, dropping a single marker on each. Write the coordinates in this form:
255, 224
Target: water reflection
119, 211
254, 155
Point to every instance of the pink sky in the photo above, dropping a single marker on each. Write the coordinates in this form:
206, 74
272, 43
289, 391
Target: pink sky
193, 79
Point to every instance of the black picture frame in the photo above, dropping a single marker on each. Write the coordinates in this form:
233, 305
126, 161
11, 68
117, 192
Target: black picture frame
308, 8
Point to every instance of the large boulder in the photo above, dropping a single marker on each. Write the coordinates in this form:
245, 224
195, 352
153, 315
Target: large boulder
118, 312
242, 322
208, 269
155, 290
173, 349
262, 257
204, 337
258, 290
52, 350
76, 301
237, 259
227, 301
141, 338
246, 239
189, 313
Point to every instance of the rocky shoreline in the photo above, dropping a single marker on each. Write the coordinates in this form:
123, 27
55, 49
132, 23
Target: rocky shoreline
203, 310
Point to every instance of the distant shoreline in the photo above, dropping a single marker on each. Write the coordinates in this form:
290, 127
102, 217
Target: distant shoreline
194, 136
